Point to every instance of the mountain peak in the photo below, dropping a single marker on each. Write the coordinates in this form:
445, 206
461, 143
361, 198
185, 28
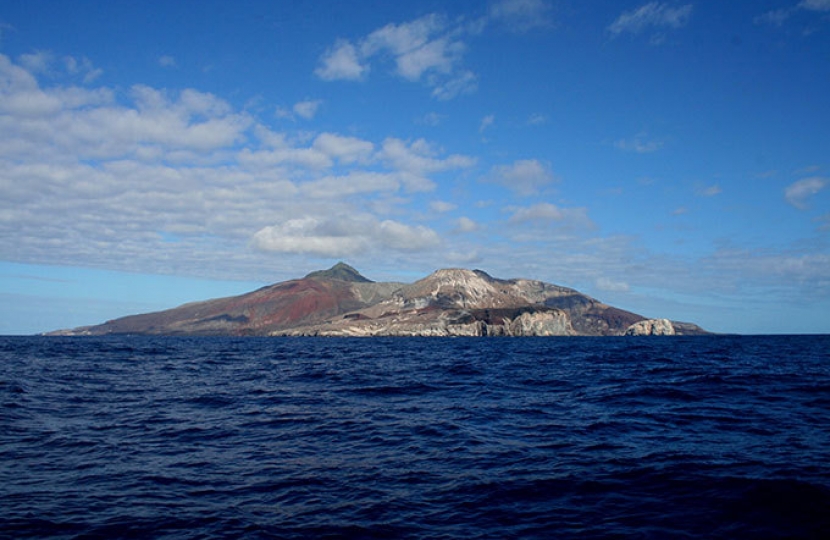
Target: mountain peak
341, 271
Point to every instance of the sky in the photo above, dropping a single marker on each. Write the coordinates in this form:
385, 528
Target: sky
668, 158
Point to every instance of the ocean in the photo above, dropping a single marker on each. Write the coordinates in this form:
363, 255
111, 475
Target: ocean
427, 438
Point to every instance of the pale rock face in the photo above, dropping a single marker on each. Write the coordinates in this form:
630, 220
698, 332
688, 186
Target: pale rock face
475, 288
540, 324
651, 327
550, 323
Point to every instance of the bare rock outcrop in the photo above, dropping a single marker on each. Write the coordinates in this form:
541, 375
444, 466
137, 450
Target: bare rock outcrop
651, 327
541, 323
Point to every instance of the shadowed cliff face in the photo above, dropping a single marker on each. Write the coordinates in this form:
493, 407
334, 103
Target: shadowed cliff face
341, 302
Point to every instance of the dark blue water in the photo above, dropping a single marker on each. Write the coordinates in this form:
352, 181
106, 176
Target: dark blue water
706, 437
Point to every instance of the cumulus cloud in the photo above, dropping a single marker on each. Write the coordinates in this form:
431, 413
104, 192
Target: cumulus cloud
799, 193
653, 15
46, 63
311, 235
416, 47
420, 157
426, 49
361, 182
430, 119
341, 62
90, 123
465, 82
525, 176
343, 236
307, 109
465, 225
429, 49
37, 62
345, 149
82, 67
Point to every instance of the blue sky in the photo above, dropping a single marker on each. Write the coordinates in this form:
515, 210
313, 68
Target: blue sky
670, 158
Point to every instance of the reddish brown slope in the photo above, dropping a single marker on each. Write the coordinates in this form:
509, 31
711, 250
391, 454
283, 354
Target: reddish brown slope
297, 302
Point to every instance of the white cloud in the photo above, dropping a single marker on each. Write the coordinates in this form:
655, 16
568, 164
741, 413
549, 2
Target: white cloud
417, 47
651, 15
525, 176
344, 149
45, 63
314, 236
710, 191
354, 183
307, 109
413, 45
465, 82
799, 193
442, 206
420, 157
440, 55
466, 225
83, 68
404, 37
402, 237
341, 62
167, 61
427, 49
89, 124
39, 62
486, 122
430, 119
423, 49
536, 119
343, 236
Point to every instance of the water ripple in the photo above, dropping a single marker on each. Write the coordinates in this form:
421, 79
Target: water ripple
718, 437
